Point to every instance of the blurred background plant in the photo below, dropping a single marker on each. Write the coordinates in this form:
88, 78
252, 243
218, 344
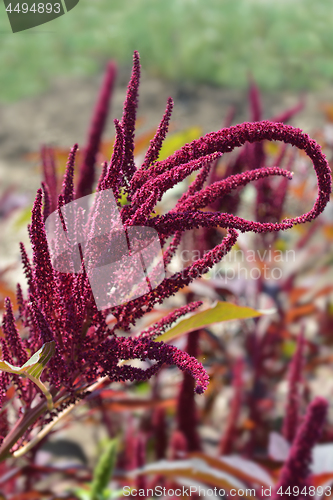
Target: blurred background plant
236, 434
283, 44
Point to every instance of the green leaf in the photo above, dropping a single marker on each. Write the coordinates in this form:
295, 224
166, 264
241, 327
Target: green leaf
220, 311
7, 367
36, 364
103, 470
33, 368
85, 494
288, 348
82, 493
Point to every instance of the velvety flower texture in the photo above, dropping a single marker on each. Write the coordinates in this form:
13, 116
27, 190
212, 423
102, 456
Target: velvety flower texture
60, 307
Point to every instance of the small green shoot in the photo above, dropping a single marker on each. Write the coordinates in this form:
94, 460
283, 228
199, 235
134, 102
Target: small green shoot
33, 368
97, 489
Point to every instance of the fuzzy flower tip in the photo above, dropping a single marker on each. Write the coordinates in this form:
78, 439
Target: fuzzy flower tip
87, 170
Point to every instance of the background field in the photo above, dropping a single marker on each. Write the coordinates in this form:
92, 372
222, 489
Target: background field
286, 45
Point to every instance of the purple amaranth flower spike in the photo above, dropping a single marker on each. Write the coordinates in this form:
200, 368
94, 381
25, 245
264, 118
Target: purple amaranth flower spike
43, 274
12, 335
186, 408
9, 346
27, 267
291, 420
226, 140
133, 348
102, 176
297, 467
160, 432
156, 143
87, 170
47, 201
112, 179
68, 182
289, 113
128, 122
178, 445
141, 480
227, 441
20, 300
155, 146
225, 186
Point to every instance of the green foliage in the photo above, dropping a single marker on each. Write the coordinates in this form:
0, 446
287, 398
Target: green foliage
97, 489
33, 368
284, 44
103, 470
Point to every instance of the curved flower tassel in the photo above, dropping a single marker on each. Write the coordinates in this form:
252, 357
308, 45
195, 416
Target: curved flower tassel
226, 140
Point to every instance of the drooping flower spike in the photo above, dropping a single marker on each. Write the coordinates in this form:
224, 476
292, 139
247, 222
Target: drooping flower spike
154, 189
225, 186
130, 312
269, 207
226, 140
